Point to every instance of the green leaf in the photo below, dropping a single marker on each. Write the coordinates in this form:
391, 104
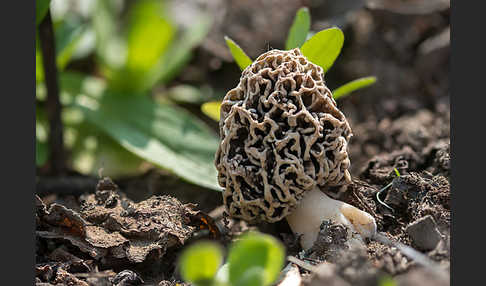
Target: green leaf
92, 149
299, 29
396, 172
238, 54
212, 109
179, 54
41, 8
162, 134
184, 93
255, 250
110, 49
352, 86
255, 276
149, 36
199, 263
324, 47
68, 36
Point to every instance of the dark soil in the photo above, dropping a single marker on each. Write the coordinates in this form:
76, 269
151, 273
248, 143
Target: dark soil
92, 232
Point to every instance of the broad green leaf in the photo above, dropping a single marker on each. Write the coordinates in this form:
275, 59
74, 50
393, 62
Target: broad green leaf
68, 36
41, 8
238, 54
149, 35
212, 109
352, 86
254, 276
183, 93
162, 134
255, 250
324, 47
92, 149
179, 54
199, 262
299, 29
110, 48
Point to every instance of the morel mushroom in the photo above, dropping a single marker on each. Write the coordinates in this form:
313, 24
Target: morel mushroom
282, 140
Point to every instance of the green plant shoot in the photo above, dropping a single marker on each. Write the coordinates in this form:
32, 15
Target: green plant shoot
200, 262
212, 109
324, 47
238, 54
255, 259
352, 86
299, 29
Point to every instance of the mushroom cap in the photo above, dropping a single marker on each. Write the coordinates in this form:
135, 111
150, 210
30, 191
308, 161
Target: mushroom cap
281, 135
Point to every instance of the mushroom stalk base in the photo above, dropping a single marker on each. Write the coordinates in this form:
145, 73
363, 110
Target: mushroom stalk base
316, 207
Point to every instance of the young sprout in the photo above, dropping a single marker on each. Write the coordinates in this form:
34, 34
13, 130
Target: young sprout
321, 49
283, 139
384, 188
255, 259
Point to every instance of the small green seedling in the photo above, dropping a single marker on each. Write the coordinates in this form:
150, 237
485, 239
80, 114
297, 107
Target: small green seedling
242, 60
384, 188
322, 48
200, 263
253, 260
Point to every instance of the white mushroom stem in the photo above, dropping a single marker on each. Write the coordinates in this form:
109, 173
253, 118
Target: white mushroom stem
316, 207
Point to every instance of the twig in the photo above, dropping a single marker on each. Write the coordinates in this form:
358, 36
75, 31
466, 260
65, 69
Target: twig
56, 153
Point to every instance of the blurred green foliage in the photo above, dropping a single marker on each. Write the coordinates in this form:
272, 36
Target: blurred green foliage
200, 262
110, 116
41, 8
255, 259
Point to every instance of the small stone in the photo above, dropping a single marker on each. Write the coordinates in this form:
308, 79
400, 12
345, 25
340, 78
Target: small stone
424, 233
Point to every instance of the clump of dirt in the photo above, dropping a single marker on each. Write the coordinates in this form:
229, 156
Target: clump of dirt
330, 241
411, 201
109, 231
352, 267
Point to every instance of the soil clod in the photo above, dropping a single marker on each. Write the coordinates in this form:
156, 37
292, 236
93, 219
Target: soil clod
424, 233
